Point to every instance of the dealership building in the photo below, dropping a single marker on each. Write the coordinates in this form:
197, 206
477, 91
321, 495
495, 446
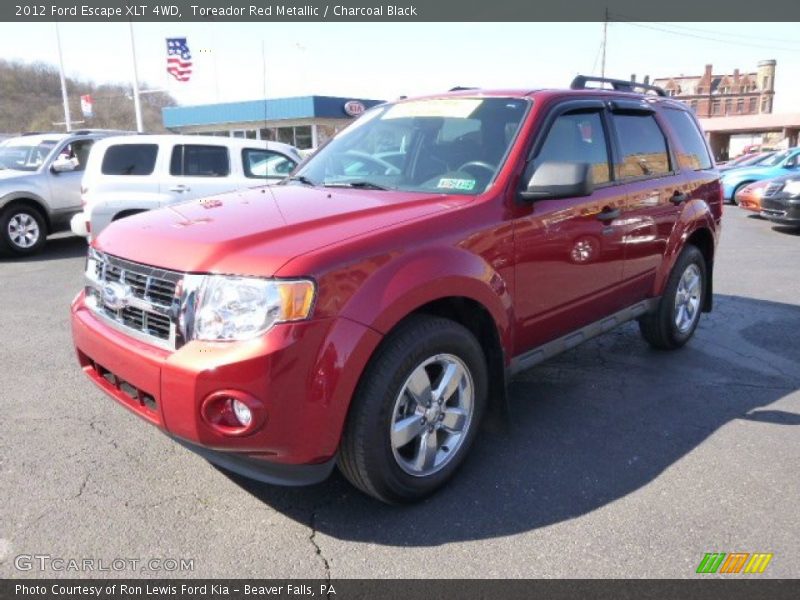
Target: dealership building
304, 121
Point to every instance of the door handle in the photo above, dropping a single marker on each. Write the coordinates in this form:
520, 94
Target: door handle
608, 214
180, 188
678, 198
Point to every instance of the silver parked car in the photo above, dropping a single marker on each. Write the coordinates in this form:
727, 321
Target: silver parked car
40, 185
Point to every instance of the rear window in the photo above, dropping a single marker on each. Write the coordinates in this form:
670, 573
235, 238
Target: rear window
130, 159
190, 160
693, 153
260, 164
643, 146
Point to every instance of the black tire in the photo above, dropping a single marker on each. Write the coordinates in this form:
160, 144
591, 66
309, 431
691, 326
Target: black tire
13, 245
366, 455
660, 328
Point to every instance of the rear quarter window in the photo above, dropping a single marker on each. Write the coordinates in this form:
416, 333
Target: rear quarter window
129, 159
691, 148
260, 164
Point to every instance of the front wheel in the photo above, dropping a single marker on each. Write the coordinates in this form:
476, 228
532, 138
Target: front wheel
22, 230
416, 410
675, 320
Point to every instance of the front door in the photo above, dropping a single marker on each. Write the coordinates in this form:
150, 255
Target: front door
569, 254
65, 187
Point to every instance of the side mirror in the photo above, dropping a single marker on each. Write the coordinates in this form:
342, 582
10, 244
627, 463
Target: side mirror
62, 165
559, 180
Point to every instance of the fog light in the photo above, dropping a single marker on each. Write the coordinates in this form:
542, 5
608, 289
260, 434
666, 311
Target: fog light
232, 412
242, 412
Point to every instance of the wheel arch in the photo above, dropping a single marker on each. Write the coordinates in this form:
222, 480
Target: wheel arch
30, 201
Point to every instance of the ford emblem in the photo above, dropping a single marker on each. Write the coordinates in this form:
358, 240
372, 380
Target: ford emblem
115, 295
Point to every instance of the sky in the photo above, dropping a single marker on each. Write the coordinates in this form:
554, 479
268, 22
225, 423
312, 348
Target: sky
243, 61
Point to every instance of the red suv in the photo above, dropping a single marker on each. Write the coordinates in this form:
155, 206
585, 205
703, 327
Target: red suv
368, 311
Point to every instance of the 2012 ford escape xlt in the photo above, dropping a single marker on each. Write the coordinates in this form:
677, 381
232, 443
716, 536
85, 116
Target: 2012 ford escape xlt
368, 311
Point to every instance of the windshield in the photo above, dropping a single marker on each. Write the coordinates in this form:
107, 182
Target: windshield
23, 156
754, 160
776, 159
443, 145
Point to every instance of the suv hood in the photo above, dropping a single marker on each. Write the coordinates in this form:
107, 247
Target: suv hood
255, 232
6, 174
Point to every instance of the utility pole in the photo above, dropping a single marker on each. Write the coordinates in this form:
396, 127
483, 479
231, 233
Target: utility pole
137, 106
64, 97
605, 41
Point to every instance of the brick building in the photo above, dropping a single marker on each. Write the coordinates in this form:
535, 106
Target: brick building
712, 95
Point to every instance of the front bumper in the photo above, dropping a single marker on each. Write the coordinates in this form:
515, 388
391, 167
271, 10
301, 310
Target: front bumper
781, 210
304, 373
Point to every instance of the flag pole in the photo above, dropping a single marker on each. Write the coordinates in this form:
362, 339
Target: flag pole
136, 104
64, 97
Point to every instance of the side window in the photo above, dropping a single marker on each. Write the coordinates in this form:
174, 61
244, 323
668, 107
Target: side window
191, 160
262, 164
77, 152
129, 159
642, 145
693, 153
578, 138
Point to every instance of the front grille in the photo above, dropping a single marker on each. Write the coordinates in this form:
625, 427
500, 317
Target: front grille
772, 189
149, 305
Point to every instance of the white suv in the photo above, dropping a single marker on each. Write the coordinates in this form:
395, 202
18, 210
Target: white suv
133, 174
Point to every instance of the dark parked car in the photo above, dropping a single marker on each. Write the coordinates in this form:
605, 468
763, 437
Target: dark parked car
780, 202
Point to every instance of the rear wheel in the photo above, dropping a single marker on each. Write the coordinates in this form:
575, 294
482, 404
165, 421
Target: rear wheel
22, 230
416, 411
678, 312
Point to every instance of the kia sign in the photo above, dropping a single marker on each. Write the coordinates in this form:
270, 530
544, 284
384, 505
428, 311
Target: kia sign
354, 108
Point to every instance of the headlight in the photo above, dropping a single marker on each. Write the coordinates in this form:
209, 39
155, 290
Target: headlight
792, 187
240, 308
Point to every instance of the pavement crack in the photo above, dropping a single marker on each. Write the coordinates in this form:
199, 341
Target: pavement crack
312, 523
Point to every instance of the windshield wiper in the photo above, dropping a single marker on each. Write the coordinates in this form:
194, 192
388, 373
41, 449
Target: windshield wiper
301, 179
364, 185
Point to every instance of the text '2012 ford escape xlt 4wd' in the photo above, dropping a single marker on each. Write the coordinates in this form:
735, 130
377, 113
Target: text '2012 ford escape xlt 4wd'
368, 311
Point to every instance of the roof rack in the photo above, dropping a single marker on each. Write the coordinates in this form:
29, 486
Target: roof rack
460, 88
619, 85
89, 131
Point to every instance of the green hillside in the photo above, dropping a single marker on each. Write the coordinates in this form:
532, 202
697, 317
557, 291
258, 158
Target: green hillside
30, 100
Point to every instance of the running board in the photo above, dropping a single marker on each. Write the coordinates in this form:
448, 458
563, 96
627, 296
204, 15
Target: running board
550, 349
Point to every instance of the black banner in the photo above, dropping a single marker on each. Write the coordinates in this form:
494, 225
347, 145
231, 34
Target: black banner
398, 10
736, 587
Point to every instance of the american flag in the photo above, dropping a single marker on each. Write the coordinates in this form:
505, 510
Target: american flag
179, 59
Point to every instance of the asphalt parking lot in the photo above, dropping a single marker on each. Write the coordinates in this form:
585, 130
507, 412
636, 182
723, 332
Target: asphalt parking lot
620, 461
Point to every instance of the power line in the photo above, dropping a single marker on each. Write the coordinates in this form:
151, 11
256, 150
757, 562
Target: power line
705, 38
736, 36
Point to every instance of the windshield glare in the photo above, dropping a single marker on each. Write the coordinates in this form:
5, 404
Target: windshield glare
25, 157
443, 145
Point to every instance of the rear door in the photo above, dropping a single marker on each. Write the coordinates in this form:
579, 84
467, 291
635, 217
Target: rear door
654, 189
199, 170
